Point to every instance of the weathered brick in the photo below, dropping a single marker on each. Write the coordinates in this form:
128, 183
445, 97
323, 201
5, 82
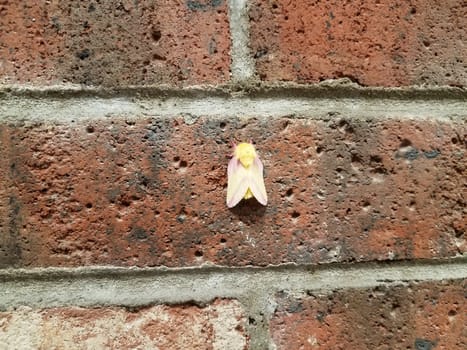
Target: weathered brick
114, 43
151, 191
376, 43
217, 326
420, 316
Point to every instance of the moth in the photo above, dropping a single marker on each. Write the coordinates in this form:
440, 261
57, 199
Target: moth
245, 176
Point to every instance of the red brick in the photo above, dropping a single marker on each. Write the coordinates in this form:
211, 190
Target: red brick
113, 44
216, 326
151, 192
422, 316
374, 43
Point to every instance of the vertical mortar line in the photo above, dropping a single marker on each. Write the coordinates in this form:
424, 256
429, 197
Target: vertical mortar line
259, 307
242, 65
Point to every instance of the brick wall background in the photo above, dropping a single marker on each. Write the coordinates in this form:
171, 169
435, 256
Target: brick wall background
116, 119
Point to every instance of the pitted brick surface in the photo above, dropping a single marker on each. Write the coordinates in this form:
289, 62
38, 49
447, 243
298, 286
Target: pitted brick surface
150, 191
374, 43
420, 316
114, 43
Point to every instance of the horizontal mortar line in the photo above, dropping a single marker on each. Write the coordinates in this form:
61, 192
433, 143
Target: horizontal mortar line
94, 286
75, 109
336, 88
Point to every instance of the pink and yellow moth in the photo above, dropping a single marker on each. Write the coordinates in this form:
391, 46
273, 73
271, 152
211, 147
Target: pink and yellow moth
245, 176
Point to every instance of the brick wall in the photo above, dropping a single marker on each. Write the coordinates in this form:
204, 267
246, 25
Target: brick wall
116, 119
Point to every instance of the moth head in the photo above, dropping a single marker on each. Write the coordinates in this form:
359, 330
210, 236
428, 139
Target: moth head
245, 152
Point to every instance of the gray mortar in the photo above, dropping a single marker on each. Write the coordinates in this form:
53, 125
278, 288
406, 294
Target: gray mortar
242, 65
253, 287
75, 108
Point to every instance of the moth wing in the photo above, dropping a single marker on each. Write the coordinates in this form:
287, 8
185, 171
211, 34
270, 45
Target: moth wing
256, 181
237, 182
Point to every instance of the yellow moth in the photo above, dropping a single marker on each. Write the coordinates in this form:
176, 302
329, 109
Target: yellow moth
245, 176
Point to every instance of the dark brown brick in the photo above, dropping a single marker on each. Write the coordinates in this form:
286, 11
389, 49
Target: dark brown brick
374, 43
114, 43
420, 316
151, 191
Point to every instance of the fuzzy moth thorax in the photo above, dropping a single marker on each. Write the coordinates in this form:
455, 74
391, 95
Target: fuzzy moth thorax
245, 153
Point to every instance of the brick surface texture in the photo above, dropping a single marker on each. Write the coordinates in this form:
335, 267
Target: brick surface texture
382, 43
152, 192
422, 316
217, 326
114, 43
146, 187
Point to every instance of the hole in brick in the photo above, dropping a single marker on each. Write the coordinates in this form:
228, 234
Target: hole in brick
223, 240
198, 253
261, 52
183, 164
376, 159
156, 35
176, 159
413, 11
355, 159
158, 57
344, 126
289, 192
275, 6
82, 55
222, 125
319, 150
251, 320
405, 143
366, 205
295, 214
89, 205
90, 129
356, 162
454, 140
452, 313
125, 202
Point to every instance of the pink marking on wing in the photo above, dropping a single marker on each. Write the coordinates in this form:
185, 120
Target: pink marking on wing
237, 182
234, 163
